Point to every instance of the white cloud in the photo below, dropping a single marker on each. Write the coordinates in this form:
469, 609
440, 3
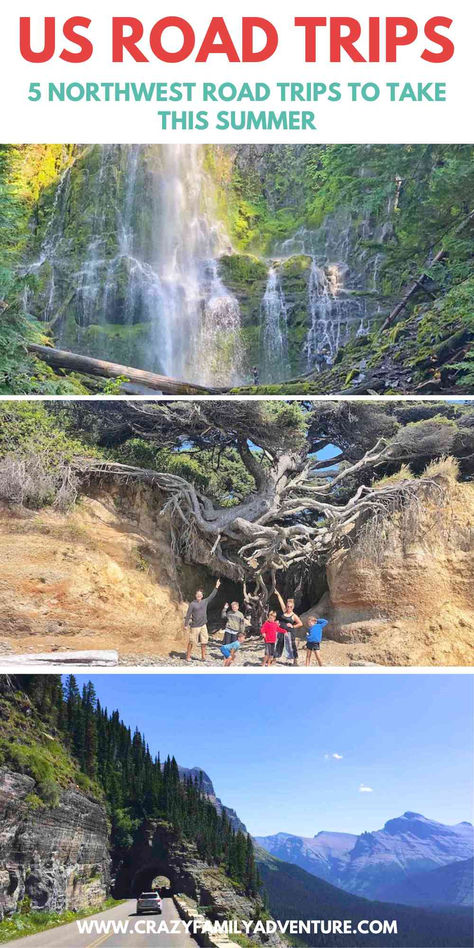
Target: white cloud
337, 756
364, 789
333, 757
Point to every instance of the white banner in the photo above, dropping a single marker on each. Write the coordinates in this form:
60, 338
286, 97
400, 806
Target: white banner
340, 72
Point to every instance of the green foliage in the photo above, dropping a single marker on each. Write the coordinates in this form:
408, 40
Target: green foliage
223, 475
25, 172
27, 747
27, 922
134, 784
114, 386
28, 428
291, 418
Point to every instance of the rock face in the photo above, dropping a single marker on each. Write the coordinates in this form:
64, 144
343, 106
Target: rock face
208, 788
57, 857
375, 865
158, 850
402, 594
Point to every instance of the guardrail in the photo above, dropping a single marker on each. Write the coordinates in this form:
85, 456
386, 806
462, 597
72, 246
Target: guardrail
188, 913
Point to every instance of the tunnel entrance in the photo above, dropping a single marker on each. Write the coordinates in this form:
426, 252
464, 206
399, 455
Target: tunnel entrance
151, 878
154, 861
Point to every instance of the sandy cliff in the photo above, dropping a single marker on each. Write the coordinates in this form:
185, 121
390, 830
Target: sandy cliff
99, 577
403, 593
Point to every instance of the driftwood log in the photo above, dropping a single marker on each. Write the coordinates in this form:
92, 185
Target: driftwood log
92, 657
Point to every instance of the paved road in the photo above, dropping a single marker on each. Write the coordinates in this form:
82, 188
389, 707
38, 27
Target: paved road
67, 936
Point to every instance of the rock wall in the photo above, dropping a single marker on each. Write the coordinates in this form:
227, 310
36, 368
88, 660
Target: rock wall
57, 856
404, 596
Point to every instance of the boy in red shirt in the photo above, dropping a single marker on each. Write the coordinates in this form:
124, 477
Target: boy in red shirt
270, 630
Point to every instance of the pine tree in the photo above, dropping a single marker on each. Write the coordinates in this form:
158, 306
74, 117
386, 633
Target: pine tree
135, 785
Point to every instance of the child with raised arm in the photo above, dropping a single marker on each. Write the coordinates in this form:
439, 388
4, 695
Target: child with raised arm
313, 638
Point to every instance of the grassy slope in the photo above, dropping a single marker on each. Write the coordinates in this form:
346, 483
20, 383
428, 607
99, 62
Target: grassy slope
30, 923
30, 747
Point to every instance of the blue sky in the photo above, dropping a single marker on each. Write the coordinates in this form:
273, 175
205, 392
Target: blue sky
267, 742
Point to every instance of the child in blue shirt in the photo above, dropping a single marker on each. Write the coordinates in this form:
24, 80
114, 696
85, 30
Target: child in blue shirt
313, 638
229, 651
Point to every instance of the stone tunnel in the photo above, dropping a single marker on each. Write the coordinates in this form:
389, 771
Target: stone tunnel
153, 862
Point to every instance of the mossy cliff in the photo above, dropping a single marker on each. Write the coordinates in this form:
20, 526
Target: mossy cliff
54, 840
347, 228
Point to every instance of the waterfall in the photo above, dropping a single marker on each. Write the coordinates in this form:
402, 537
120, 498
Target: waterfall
221, 355
128, 269
201, 317
48, 252
274, 361
94, 278
324, 330
334, 314
144, 263
336, 305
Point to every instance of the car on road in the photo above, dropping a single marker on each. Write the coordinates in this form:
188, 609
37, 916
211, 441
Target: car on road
149, 902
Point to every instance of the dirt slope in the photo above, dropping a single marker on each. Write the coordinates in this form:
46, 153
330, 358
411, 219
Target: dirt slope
90, 579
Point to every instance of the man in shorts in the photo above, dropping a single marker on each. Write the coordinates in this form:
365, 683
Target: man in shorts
196, 621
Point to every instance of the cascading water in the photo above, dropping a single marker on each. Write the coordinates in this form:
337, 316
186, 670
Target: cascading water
150, 260
335, 311
129, 269
52, 238
334, 317
324, 331
201, 316
274, 360
220, 354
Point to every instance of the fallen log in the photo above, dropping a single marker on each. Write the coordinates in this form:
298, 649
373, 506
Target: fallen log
73, 362
91, 657
418, 283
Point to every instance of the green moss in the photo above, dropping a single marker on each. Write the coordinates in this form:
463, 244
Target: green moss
246, 277
124, 344
34, 802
